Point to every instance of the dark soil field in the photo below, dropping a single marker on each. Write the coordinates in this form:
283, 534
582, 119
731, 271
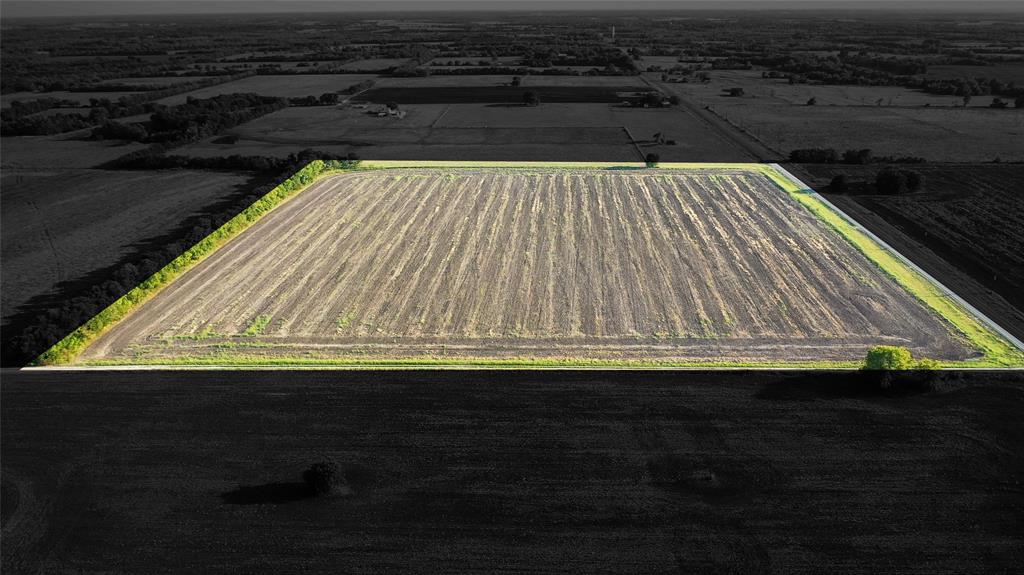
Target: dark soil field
494, 94
501, 472
965, 229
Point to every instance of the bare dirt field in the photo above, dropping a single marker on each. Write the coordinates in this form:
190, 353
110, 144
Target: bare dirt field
284, 86
63, 225
650, 264
965, 229
508, 472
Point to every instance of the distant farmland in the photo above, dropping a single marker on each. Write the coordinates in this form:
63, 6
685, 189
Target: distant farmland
707, 265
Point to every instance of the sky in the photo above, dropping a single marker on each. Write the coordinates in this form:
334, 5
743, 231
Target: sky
78, 8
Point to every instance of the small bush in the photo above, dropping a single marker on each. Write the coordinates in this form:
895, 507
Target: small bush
888, 358
838, 185
652, 160
895, 366
324, 478
893, 181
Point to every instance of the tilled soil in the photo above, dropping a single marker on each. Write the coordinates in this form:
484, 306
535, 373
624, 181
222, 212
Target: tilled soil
534, 263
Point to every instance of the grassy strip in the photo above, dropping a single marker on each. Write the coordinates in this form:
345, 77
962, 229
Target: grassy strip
68, 348
997, 351
233, 360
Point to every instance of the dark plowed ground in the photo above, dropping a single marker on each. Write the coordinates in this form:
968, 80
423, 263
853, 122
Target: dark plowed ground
502, 472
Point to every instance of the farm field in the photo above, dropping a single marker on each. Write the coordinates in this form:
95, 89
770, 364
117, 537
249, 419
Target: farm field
524, 472
780, 91
60, 152
528, 81
81, 97
714, 265
64, 229
964, 229
480, 132
154, 80
506, 95
284, 86
981, 134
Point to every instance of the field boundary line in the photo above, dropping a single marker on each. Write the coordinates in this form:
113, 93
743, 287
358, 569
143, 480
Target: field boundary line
806, 195
68, 348
979, 331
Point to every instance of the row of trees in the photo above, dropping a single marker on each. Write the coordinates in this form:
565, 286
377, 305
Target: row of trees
856, 156
21, 119
889, 181
193, 120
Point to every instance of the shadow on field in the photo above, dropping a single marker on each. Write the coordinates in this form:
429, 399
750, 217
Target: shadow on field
49, 317
272, 493
866, 384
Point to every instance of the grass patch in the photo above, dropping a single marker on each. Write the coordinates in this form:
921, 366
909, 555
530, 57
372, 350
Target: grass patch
257, 326
241, 361
997, 351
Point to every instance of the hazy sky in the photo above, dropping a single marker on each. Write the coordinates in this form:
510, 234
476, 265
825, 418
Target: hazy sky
78, 8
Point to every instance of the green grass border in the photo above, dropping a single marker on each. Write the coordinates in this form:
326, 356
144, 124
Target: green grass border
996, 351
66, 350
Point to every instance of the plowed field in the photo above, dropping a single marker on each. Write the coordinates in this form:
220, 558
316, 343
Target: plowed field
646, 264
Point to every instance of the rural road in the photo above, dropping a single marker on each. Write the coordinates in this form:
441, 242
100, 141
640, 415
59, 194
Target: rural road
727, 131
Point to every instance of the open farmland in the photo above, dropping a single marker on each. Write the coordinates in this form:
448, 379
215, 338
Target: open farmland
965, 228
60, 152
784, 122
579, 131
63, 226
540, 263
284, 86
493, 94
509, 472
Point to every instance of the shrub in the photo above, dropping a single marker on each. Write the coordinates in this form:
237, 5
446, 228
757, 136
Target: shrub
888, 358
893, 181
895, 366
652, 160
814, 156
838, 185
324, 478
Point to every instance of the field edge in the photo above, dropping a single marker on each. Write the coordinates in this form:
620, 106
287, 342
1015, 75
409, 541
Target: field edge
997, 350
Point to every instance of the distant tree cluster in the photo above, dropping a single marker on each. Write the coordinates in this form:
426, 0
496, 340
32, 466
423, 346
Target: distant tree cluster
20, 118
861, 156
895, 181
154, 159
193, 120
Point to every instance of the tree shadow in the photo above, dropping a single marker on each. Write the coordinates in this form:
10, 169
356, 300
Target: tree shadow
859, 385
44, 319
268, 493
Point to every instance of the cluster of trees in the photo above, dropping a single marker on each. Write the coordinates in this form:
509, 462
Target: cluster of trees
897, 181
889, 181
152, 159
861, 156
193, 120
17, 120
45, 125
